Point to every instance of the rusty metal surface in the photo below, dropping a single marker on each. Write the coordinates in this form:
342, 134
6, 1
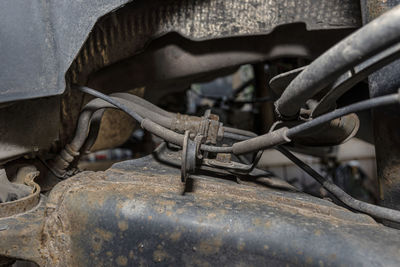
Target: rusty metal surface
116, 127
26, 203
135, 214
21, 236
372, 9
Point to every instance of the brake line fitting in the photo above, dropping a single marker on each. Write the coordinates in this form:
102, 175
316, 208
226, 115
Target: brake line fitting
207, 131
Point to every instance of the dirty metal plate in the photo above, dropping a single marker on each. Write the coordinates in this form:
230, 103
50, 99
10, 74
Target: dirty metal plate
21, 236
135, 214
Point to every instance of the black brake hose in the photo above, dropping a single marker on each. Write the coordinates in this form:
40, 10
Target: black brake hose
354, 76
235, 136
283, 135
337, 113
366, 42
373, 210
110, 100
94, 130
145, 104
254, 144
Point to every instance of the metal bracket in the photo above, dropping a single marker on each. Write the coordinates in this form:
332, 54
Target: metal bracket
208, 126
189, 154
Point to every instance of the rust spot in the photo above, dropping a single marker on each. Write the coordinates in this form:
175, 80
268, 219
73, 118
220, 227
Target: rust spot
167, 203
210, 246
175, 236
122, 261
106, 235
131, 254
211, 215
160, 210
97, 244
376, 8
266, 247
109, 253
309, 260
256, 221
208, 204
149, 218
168, 213
159, 255
123, 225
118, 209
317, 232
180, 211
241, 246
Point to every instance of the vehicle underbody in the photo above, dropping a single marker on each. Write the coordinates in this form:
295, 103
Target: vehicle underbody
298, 78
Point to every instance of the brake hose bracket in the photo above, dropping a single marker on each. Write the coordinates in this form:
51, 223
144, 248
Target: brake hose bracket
189, 156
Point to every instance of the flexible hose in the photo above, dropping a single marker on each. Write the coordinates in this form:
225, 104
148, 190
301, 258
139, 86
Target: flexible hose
268, 140
369, 40
337, 113
110, 100
352, 77
373, 210
283, 135
149, 125
85, 117
146, 104
239, 131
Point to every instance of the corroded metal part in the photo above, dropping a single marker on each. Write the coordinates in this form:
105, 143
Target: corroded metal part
371, 9
183, 122
21, 235
189, 153
26, 203
207, 126
135, 214
116, 127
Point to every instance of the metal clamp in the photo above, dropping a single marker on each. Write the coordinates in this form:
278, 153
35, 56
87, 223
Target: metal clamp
208, 126
189, 153
211, 128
